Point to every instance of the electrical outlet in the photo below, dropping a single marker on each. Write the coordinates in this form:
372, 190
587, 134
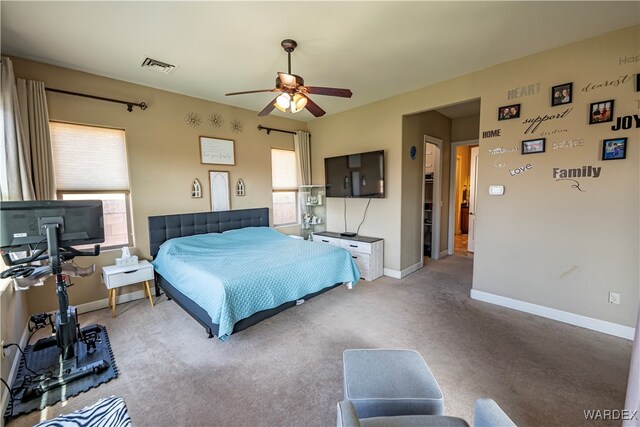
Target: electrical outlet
614, 298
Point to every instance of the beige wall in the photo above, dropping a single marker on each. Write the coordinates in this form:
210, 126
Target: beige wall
465, 128
357, 131
542, 242
162, 153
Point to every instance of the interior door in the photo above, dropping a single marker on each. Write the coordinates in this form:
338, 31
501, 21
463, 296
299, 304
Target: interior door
473, 191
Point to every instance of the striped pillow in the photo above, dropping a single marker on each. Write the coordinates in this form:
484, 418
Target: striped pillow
107, 412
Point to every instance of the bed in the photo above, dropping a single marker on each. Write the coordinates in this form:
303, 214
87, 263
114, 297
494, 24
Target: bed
229, 270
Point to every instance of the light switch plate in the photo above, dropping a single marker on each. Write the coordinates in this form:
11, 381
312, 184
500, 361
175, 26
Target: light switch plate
496, 190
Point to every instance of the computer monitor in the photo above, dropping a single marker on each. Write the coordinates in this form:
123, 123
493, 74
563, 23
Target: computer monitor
21, 223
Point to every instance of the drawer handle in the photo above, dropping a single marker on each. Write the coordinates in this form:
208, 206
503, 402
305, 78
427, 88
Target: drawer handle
129, 272
354, 246
354, 257
326, 241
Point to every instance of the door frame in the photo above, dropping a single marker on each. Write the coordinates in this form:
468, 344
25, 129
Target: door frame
473, 199
437, 196
452, 189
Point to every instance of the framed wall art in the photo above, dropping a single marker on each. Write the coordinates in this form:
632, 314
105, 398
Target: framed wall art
532, 146
509, 112
614, 149
562, 94
601, 112
216, 151
220, 198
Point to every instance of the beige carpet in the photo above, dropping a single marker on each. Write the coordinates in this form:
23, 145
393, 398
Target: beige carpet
287, 370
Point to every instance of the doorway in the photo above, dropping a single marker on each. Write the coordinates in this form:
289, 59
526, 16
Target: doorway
431, 198
463, 197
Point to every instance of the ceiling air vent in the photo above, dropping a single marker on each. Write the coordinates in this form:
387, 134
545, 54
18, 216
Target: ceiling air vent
154, 64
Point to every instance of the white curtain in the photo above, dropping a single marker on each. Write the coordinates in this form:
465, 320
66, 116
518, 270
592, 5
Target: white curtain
15, 164
302, 146
35, 124
632, 403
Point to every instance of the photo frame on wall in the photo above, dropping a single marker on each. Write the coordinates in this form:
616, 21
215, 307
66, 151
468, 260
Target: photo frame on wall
562, 94
217, 151
532, 146
601, 112
509, 112
614, 149
220, 197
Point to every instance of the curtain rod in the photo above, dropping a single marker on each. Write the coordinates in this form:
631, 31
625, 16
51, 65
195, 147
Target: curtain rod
260, 127
129, 105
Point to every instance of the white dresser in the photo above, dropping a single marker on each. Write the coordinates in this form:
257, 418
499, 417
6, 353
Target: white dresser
367, 252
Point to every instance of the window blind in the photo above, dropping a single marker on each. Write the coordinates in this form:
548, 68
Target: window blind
88, 158
283, 170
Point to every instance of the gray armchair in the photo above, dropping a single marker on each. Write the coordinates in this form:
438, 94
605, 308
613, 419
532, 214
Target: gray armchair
487, 413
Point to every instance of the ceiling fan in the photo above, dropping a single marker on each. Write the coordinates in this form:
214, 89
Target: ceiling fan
294, 95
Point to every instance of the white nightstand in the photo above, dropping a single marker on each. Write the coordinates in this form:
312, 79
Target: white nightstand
115, 277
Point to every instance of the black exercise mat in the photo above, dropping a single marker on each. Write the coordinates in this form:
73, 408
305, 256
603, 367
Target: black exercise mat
43, 356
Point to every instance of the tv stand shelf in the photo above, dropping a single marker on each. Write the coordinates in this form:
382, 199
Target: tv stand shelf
367, 252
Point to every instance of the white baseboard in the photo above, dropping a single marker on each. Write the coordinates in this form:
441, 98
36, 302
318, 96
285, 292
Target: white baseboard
14, 365
396, 274
609, 328
403, 273
104, 303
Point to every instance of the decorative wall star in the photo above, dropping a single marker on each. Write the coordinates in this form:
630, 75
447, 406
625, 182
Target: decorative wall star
216, 120
236, 126
193, 119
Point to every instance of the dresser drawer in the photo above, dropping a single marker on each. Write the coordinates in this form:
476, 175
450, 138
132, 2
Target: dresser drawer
361, 260
354, 246
124, 278
328, 240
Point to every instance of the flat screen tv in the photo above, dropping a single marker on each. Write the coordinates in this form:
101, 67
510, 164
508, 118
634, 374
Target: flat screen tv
80, 222
355, 175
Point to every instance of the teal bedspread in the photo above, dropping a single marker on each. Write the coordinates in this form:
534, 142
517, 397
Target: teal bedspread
235, 274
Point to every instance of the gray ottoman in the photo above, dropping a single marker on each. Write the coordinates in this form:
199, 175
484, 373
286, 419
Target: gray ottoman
385, 383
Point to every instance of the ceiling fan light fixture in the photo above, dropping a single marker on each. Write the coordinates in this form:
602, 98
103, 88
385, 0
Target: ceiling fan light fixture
298, 103
283, 101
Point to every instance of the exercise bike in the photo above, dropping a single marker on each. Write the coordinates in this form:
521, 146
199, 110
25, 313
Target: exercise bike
25, 226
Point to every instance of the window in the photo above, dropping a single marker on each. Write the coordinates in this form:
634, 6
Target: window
284, 180
91, 163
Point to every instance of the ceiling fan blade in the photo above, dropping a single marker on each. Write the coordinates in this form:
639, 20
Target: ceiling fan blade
252, 91
269, 108
314, 108
329, 91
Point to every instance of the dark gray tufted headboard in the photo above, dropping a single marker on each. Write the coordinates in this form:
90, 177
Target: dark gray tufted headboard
165, 227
